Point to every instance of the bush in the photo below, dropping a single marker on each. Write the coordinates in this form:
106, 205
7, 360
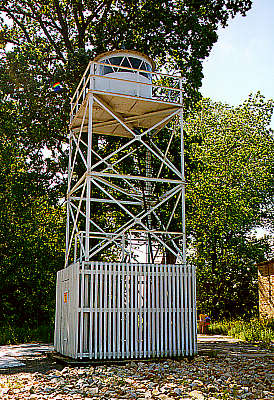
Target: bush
219, 328
15, 335
255, 330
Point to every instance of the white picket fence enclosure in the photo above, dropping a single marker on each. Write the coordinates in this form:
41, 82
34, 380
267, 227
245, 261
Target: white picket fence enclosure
121, 310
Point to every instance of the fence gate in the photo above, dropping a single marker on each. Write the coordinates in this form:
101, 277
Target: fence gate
122, 310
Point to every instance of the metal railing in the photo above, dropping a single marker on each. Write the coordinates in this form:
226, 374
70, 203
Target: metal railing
164, 87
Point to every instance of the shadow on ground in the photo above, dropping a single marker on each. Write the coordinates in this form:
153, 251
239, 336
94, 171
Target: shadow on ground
36, 357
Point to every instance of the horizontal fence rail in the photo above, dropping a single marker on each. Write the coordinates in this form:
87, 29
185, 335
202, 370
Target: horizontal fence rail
126, 310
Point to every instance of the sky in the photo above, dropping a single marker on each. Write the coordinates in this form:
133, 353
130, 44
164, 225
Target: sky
242, 61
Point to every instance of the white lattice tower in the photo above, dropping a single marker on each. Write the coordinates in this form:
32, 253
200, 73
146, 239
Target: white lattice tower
120, 96
126, 290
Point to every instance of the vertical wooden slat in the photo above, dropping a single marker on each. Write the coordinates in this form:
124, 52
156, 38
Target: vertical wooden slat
136, 313
76, 305
140, 310
127, 305
114, 311
144, 266
100, 306
182, 309
166, 311
149, 310
186, 310
153, 333
194, 310
68, 316
178, 309
74, 295
96, 294
109, 313
190, 308
119, 267
85, 314
81, 312
169, 311
162, 339
132, 267
123, 311
72, 317
104, 333
174, 347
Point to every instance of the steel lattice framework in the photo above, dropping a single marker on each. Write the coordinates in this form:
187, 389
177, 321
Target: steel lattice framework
125, 195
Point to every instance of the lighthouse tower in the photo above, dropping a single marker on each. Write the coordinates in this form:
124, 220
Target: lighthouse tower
126, 290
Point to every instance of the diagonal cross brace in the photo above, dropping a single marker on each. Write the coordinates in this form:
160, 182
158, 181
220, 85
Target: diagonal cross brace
137, 137
131, 223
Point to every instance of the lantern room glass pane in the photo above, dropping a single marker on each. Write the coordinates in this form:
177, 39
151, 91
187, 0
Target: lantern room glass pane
147, 67
135, 62
104, 70
115, 60
128, 62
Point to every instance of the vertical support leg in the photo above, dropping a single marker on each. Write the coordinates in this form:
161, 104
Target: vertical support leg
88, 190
147, 201
181, 117
68, 201
88, 196
67, 234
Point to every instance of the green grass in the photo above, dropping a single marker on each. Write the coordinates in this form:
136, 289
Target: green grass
255, 330
15, 335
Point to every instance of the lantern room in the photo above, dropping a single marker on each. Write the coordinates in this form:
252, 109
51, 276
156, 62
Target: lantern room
125, 72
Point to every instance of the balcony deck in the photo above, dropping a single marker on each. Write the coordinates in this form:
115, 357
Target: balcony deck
134, 111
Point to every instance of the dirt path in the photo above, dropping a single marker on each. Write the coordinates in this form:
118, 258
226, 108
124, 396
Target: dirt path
226, 345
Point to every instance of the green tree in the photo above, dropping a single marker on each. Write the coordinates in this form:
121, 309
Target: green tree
61, 36
31, 231
229, 193
53, 40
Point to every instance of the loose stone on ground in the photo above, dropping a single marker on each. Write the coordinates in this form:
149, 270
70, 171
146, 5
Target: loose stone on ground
201, 378
206, 377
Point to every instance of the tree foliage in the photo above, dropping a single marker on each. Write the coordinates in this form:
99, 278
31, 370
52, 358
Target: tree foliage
230, 192
31, 229
63, 35
228, 150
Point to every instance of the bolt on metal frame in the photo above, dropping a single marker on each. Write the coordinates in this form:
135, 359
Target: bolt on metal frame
139, 196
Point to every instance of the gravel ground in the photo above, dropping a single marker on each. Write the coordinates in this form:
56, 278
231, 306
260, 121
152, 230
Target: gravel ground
215, 375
